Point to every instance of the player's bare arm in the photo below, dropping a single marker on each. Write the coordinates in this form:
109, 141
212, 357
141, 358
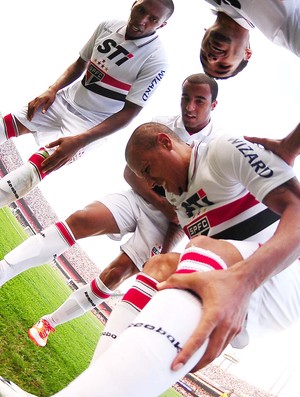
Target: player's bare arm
73, 72
287, 148
224, 302
67, 147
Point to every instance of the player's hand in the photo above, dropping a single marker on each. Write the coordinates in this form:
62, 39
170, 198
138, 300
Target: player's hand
287, 148
45, 101
224, 306
66, 148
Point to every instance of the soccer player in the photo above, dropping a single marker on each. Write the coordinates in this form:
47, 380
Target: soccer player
123, 64
225, 48
226, 186
148, 215
217, 189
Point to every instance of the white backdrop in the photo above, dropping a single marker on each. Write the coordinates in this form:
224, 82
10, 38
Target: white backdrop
38, 42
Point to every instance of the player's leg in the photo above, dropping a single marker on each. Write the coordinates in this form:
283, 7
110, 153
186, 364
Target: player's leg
117, 216
149, 345
56, 239
146, 242
84, 299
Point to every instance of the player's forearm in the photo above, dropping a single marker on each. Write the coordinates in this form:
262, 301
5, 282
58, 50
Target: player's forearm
173, 237
112, 124
275, 255
72, 73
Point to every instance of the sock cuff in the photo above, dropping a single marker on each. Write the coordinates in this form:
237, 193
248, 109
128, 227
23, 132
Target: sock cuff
66, 233
141, 292
10, 126
100, 289
36, 160
199, 259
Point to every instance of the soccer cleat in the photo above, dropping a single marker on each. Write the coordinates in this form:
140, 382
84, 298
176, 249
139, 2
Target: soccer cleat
39, 332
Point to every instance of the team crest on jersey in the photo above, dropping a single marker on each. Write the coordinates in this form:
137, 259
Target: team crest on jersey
93, 74
156, 250
199, 226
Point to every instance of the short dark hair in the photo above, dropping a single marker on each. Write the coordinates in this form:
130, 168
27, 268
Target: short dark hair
202, 78
169, 5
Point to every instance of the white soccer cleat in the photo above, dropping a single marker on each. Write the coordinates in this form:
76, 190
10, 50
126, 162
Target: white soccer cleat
10, 389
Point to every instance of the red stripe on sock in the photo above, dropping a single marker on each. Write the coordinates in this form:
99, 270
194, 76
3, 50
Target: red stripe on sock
65, 233
36, 160
136, 298
97, 291
197, 257
148, 281
185, 271
11, 129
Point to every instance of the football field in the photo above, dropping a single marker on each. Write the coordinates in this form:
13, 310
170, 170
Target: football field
41, 371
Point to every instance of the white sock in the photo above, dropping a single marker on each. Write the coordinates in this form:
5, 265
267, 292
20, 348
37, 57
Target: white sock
140, 358
124, 313
36, 251
79, 302
22, 180
8, 128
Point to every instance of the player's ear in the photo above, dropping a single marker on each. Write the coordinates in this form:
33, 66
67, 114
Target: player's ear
214, 104
162, 25
248, 54
164, 141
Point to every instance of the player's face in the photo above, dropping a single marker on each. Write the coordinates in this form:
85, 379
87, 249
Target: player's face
145, 18
196, 105
221, 53
159, 167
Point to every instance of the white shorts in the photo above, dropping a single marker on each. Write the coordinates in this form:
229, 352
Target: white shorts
61, 119
134, 215
275, 305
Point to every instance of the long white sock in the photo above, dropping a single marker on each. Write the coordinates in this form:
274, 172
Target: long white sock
138, 363
22, 180
8, 128
36, 251
79, 302
124, 313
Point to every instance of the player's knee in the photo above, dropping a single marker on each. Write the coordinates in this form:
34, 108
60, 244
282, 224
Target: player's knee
76, 223
202, 242
162, 266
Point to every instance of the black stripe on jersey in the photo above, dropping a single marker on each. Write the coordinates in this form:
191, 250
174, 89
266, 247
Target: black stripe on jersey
104, 91
249, 227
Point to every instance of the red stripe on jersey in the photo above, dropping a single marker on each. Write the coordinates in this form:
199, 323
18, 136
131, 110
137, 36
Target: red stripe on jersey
11, 129
97, 291
225, 212
106, 78
200, 258
36, 160
65, 233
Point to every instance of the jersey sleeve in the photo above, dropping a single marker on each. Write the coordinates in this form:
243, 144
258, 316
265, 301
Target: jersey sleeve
87, 50
237, 161
149, 78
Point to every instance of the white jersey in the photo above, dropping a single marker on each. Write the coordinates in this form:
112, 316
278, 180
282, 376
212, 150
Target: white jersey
278, 20
228, 179
118, 69
134, 214
175, 124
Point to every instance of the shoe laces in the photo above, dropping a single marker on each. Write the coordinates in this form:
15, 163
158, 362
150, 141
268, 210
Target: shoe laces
45, 331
